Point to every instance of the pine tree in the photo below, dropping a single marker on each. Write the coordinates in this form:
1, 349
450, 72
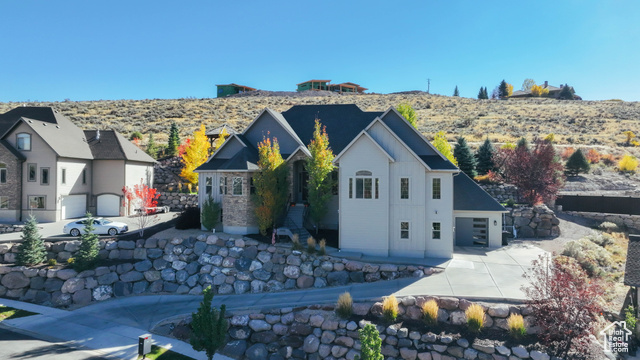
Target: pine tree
503, 92
210, 213
466, 161
522, 143
486, 94
271, 183
195, 155
456, 92
577, 163
406, 110
319, 167
442, 145
209, 326
481, 93
152, 147
484, 158
371, 343
87, 255
566, 93
32, 250
174, 140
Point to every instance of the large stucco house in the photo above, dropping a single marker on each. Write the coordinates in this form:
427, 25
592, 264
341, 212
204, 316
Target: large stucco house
395, 195
54, 170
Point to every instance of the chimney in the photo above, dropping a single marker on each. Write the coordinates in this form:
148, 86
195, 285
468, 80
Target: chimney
546, 84
97, 134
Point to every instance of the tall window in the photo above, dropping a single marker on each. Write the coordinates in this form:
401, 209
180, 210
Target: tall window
404, 230
404, 188
223, 186
32, 170
37, 202
237, 186
366, 187
44, 176
23, 141
208, 185
3, 173
4, 202
63, 176
435, 229
436, 188
84, 176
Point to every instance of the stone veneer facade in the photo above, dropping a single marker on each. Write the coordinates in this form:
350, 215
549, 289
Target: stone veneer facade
238, 210
12, 187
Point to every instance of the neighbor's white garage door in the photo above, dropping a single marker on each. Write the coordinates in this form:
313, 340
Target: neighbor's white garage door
74, 206
108, 205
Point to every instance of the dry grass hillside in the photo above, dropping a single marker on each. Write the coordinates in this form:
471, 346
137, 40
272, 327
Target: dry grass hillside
590, 123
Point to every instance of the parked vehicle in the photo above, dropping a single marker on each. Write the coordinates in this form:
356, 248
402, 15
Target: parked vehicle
102, 226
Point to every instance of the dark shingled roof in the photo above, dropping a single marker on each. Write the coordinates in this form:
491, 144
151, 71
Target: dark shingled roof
13, 150
113, 146
467, 195
632, 268
343, 122
245, 159
8, 119
435, 162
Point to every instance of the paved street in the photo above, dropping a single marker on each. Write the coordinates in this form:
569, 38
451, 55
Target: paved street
15, 345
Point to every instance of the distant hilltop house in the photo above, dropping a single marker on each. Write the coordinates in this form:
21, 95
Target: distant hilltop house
554, 91
318, 85
230, 89
53, 170
394, 193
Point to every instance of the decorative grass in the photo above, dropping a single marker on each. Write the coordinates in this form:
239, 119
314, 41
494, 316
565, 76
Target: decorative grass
515, 324
344, 309
475, 318
295, 241
323, 247
390, 309
430, 312
311, 245
8, 313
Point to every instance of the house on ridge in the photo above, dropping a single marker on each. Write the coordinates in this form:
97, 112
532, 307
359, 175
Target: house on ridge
231, 89
54, 170
395, 194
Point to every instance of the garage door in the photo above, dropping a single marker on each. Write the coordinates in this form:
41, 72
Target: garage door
471, 231
74, 206
108, 205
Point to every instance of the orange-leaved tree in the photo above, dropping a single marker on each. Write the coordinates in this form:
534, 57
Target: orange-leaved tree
319, 167
195, 154
271, 183
144, 199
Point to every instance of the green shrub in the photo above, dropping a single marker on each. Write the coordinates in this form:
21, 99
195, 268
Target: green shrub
87, 255
591, 257
371, 343
601, 239
210, 213
475, 318
630, 317
71, 261
344, 309
390, 309
609, 227
52, 262
515, 323
510, 202
32, 250
430, 312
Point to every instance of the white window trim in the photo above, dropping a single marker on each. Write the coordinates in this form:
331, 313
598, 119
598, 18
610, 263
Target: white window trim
433, 230
44, 202
408, 229
18, 142
222, 184
208, 188
433, 186
233, 186
408, 188
353, 186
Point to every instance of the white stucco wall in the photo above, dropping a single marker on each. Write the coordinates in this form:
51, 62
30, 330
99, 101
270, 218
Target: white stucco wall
73, 184
439, 210
108, 177
135, 171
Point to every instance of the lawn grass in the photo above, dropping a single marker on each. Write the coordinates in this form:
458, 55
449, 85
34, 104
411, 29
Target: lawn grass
7, 313
160, 353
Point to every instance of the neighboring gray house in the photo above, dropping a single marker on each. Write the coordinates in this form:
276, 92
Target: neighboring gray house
52, 169
396, 194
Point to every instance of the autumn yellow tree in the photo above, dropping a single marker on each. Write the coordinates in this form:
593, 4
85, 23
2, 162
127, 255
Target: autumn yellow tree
539, 91
441, 143
195, 154
271, 183
319, 167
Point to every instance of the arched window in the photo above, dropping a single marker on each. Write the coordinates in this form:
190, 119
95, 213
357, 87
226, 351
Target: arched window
3, 173
23, 141
365, 187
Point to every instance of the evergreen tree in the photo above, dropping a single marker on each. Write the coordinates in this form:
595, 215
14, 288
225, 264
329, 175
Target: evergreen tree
484, 157
441, 143
481, 93
209, 326
174, 140
152, 147
319, 167
136, 135
466, 161
32, 250
408, 113
577, 163
566, 93
210, 213
456, 92
522, 142
371, 343
486, 94
87, 255
503, 91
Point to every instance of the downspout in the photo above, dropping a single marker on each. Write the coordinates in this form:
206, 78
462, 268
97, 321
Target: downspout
21, 175
453, 210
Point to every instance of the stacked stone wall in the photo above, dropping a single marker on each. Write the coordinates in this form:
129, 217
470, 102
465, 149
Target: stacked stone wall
622, 220
533, 222
183, 266
502, 192
177, 201
10, 228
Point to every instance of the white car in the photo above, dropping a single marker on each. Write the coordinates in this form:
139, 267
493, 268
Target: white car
102, 226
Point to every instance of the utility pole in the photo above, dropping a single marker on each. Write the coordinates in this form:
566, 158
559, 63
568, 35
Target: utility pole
428, 85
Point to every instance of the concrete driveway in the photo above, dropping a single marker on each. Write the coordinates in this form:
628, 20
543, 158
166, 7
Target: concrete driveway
53, 231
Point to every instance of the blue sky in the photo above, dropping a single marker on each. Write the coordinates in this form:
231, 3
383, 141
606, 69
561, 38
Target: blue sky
92, 50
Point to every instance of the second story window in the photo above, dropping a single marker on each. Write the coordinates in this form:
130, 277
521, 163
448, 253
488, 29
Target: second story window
84, 176
404, 188
63, 176
32, 172
44, 176
436, 188
23, 141
366, 187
